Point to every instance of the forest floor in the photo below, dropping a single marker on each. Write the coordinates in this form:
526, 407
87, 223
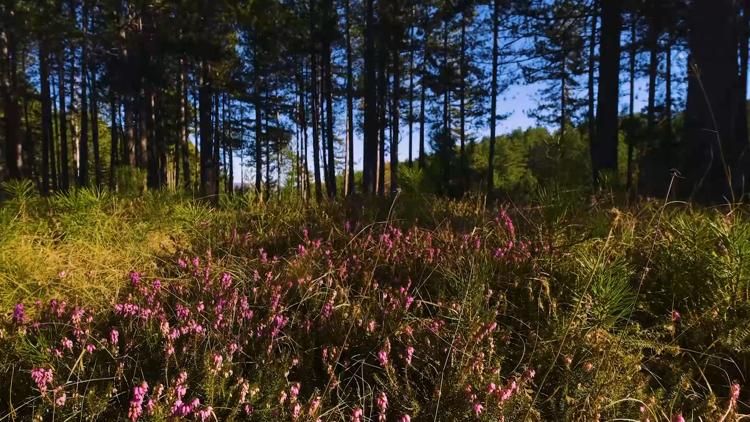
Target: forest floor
415, 308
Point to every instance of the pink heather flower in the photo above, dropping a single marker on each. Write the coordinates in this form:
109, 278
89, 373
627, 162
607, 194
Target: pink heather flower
67, 343
205, 414
296, 411
19, 315
409, 354
60, 397
382, 403
357, 414
478, 408
136, 403
42, 377
181, 263
383, 353
135, 278
314, 406
90, 348
405, 418
294, 391
529, 374
678, 418
218, 362
676, 317
114, 337
735, 391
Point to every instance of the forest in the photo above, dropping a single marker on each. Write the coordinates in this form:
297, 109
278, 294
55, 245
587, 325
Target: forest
374, 210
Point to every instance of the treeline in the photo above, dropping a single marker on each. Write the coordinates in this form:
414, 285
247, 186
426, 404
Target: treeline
182, 89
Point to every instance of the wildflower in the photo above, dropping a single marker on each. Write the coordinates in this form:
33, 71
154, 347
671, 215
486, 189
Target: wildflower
588, 366
205, 414
296, 411
405, 418
114, 337
678, 418
136, 403
314, 406
218, 362
382, 403
19, 315
478, 408
734, 390
383, 353
67, 343
409, 354
60, 397
294, 391
357, 414
42, 377
676, 317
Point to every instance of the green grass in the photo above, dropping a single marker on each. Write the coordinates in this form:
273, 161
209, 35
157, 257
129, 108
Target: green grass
587, 304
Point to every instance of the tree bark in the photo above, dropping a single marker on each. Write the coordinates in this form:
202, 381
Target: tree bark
710, 116
208, 167
370, 146
9, 91
64, 160
395, 115
83, 146
493, 97
46, 114
185, 151
95, 131
591, 114
114, 140
349, 184
604, 150
315, 124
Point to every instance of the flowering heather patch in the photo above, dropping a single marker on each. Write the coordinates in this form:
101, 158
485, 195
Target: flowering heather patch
357, 322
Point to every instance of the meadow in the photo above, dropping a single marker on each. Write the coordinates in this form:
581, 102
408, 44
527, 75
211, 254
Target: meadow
419, 308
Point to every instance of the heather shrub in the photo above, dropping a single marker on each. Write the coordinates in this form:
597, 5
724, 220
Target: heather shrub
454, 310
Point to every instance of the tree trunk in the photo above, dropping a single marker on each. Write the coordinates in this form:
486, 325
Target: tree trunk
710, 117
9, 90
382, 110
411, 93
605, 148
462, 107
395, 116
315, 124
46, 115
208, 167
631, 102
349, 184
493, 97
53, 154
258, 137
742, 123
422, 101
83, 146
328, 93
668, 89
185, 151
114, 139
591, 116
370, 104
95, 131
64, 160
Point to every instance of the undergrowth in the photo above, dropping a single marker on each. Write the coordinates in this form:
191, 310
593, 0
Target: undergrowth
417, 308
